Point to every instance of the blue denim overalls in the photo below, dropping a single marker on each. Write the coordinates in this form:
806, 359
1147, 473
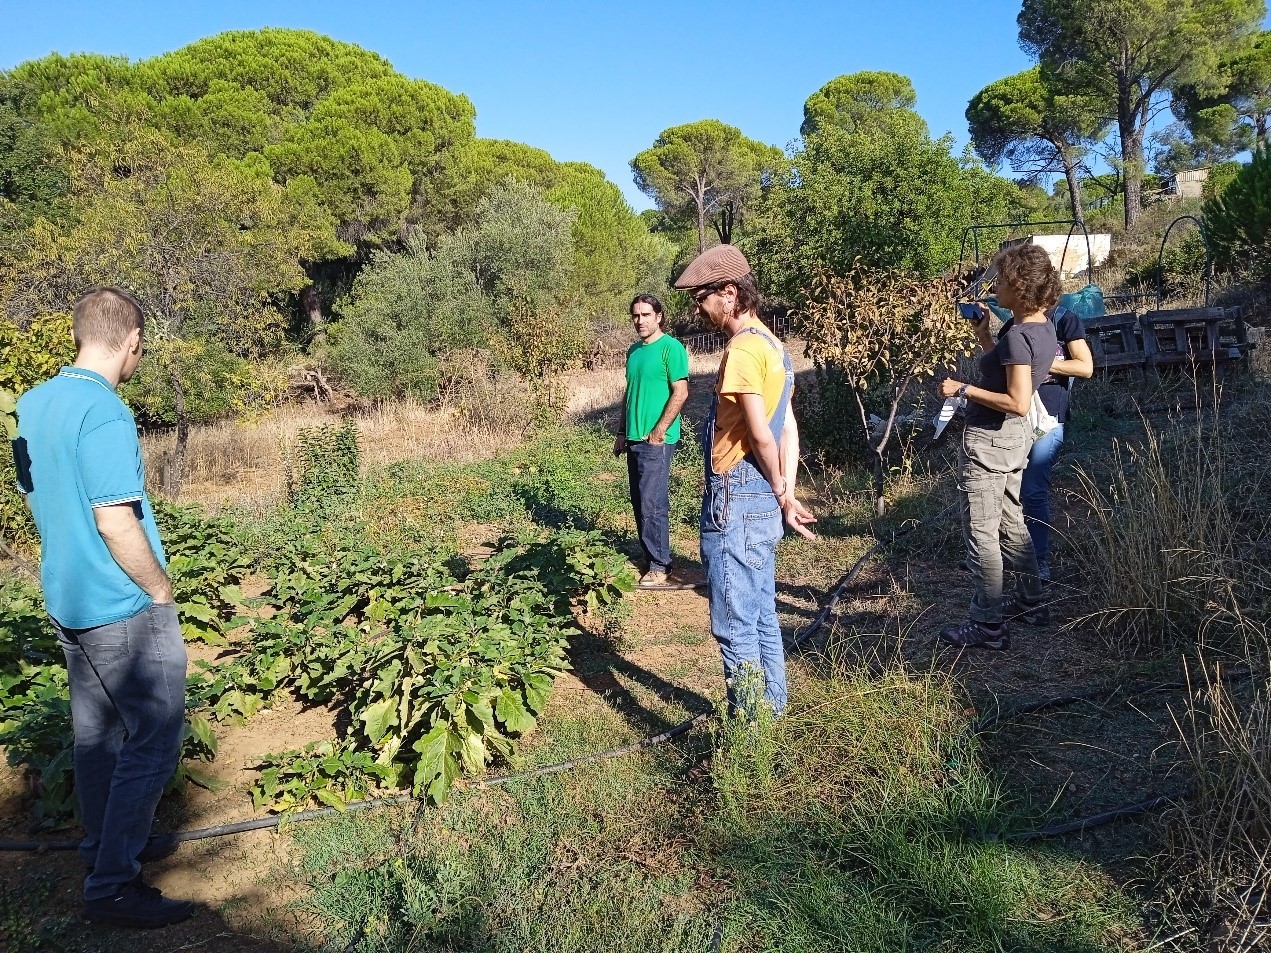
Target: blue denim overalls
740, 527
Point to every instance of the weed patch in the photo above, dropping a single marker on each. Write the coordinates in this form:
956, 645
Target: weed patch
848, 824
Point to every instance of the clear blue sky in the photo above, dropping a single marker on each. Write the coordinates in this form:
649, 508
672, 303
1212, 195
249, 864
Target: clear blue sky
594, 82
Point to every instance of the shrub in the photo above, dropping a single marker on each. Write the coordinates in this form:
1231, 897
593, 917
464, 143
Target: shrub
408, 315
881, 331
502, 284
1239, 219
327, 467
28, 356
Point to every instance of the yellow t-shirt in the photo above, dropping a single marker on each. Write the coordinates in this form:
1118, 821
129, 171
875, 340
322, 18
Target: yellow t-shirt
751, 365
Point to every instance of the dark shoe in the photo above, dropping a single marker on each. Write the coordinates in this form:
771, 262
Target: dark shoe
138, 905
158, 846
1017, 610
977, 635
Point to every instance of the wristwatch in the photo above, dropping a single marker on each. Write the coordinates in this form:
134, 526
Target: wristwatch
962, 390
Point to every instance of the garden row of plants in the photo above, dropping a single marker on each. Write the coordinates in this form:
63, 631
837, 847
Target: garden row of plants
440, 666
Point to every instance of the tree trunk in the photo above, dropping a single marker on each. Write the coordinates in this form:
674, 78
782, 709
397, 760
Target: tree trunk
701, 225
723, 223
176, 468
1131, 135
1074, 187
880, 483
312, 303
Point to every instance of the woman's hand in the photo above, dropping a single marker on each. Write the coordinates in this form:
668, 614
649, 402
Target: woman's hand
949, 387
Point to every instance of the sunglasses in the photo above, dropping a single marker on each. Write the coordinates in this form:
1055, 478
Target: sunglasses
701, 294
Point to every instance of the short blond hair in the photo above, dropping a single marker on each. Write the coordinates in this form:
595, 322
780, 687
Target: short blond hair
105, 316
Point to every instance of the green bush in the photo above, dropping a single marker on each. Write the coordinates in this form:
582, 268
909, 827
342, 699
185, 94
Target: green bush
1239, 219
828, 417
502, 284
327, 467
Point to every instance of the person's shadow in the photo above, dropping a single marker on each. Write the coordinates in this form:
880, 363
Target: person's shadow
599, 666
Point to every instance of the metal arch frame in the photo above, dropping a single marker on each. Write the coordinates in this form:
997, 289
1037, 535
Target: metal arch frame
1207, 269
973, 233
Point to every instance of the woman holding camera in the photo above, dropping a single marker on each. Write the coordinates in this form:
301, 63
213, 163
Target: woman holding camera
995, 445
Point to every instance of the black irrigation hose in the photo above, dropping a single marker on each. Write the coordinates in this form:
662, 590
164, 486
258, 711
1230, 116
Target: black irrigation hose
684, 727
1099, 820
274, 820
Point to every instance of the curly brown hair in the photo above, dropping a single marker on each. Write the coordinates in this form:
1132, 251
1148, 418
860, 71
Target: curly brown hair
1029, 271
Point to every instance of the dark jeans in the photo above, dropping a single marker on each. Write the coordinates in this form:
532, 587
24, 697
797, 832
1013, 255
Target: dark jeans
128, 707
649, 471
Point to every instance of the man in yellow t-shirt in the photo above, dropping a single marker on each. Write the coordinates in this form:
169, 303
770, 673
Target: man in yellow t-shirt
751, 447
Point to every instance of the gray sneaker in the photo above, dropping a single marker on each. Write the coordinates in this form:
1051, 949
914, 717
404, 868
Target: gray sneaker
1043, 570
653, 579
1017, 610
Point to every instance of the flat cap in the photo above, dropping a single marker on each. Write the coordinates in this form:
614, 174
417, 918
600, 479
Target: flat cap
721, 263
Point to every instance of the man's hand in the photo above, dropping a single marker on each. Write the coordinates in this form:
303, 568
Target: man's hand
797, 516
619, 445
949, 387
657, 436
122, 532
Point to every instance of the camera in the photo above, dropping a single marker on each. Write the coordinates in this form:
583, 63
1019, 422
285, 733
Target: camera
969, 310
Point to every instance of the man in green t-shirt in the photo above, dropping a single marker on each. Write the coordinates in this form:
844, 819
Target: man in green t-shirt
657, 386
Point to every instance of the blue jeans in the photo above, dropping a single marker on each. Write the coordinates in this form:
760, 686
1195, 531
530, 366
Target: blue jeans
741, 526
649, 472
128, 707
1034, 490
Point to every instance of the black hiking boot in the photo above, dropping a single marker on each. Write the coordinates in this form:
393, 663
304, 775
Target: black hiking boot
977, 635
138, 905
1034, 613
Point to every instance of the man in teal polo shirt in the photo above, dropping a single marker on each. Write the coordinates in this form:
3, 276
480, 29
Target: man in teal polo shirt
657, 386
110, 599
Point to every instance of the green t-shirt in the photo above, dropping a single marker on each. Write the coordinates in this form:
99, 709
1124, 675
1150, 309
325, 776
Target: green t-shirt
651, 370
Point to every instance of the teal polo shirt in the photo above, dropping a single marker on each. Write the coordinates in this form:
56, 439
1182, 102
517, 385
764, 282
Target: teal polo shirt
77, 449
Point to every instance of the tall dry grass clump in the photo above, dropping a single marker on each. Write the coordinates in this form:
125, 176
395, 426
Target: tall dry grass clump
1178, 558
1161, 544
1218, 852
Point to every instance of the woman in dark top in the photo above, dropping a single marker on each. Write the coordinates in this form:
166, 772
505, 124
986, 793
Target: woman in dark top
995, 445
1072, 359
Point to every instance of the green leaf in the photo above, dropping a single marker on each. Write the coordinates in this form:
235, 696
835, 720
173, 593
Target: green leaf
511, 711
379, 717
205, 779
331, 799
202, 729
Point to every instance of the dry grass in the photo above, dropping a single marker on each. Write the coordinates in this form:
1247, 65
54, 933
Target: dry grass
598, 393
245, 463
1220, 839
1177, 552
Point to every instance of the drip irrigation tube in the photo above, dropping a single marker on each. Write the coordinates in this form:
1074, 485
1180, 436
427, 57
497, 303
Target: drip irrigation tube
273, 820
683, 728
